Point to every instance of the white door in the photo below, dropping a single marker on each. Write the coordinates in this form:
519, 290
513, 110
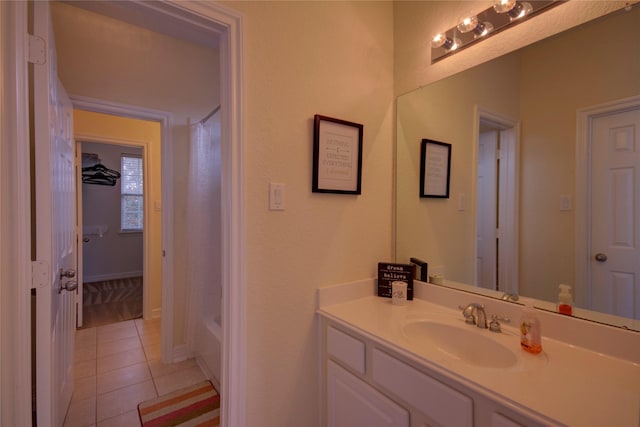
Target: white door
55, 230
615, 219
487, 210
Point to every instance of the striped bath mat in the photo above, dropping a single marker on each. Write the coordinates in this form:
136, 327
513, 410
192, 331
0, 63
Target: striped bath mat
194, 406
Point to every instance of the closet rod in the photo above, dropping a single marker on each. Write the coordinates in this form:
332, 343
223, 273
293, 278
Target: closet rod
208, 116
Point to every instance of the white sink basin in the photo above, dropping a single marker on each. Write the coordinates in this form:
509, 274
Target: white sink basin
466, 343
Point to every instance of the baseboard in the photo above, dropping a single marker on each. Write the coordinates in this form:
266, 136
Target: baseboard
156, 313
180, 353
112, 276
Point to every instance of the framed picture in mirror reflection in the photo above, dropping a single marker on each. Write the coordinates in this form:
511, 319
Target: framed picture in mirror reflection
435, 169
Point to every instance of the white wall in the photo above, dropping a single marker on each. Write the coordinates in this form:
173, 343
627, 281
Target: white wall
114, 254
301, 59
106, 59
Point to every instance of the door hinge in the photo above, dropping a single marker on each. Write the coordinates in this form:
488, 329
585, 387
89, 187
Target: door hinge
37, 50
39, 274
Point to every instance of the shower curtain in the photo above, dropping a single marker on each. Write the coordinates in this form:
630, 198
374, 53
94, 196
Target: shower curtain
204, 230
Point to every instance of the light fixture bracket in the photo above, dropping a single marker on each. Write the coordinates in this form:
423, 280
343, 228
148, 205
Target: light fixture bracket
500, 22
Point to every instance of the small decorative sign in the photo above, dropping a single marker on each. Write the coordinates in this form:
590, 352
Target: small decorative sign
391, 272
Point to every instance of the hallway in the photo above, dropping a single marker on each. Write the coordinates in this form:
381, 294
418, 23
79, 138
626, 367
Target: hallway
118, 366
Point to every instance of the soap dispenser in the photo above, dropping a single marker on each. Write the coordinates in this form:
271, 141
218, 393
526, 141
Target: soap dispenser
565, 300
530, 334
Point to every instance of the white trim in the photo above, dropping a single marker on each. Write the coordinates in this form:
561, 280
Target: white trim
15, 220
234, 380
509, 187
585, 117
165, 119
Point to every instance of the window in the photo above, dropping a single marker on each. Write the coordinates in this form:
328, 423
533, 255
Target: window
132, 196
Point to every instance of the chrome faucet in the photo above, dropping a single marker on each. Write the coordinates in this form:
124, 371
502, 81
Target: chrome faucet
479, 318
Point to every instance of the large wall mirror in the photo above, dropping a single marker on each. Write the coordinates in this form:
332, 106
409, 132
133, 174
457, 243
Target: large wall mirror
545, 172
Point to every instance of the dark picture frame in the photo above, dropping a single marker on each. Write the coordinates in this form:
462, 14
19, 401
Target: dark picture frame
435, 169
337, 156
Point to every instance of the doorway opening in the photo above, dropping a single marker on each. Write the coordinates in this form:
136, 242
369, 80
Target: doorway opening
121, 222
497, 203
111, 217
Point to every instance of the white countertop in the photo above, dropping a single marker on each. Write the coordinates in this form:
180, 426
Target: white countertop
567, 383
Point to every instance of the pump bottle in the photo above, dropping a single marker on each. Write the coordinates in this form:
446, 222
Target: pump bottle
530, 334
565, 300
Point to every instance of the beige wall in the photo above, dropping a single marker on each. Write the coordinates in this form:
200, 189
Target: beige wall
301, 59
100, 127
106, 59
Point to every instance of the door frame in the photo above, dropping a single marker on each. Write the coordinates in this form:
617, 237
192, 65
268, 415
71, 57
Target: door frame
148, 208
165, 120
15, 219
16, 243
582, 230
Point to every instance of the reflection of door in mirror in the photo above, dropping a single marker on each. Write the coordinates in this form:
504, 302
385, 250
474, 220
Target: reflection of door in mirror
496, 206
615, 182
487, 211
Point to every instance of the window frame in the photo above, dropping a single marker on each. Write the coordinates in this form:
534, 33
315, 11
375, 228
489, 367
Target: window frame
124, 194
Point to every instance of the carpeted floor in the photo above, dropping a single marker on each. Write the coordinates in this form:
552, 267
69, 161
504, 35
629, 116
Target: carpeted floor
111, 301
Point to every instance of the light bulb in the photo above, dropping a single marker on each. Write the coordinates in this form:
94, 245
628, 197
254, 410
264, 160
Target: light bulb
467, 24
438, 40
520, 11
503, 6
483, 29
441, 40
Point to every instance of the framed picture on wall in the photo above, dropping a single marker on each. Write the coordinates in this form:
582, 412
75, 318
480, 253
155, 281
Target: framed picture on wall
435, 169
337, 156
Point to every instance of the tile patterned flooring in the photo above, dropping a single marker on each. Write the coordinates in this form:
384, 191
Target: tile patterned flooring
118, 366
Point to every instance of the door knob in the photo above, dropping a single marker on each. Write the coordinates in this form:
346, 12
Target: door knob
70, 273
69, 285
600, 257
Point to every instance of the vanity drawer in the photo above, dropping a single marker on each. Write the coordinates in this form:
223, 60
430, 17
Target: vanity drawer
346, 349
441, 403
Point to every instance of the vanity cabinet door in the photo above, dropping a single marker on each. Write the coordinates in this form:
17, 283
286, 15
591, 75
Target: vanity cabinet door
351, 402
441, 403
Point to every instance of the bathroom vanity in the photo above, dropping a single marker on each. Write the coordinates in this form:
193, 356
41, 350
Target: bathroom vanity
421, 365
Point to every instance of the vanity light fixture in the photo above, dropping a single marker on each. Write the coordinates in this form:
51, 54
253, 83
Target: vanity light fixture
473, 28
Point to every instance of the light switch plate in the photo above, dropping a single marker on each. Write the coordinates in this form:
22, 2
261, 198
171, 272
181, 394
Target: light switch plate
276, 196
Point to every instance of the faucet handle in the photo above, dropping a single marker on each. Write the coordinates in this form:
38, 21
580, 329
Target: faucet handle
494, 325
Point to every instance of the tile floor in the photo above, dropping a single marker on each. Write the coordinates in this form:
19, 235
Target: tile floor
118, 366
